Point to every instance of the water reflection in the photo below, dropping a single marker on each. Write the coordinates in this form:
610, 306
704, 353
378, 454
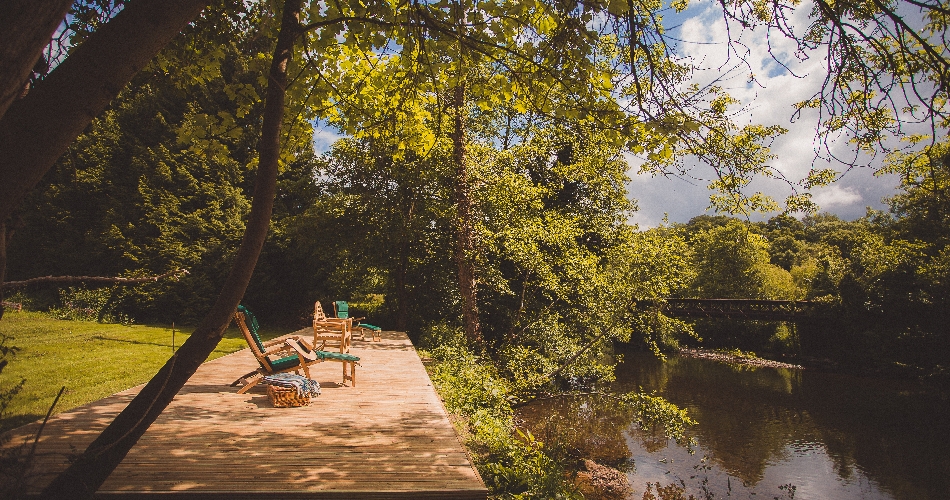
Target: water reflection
831, 436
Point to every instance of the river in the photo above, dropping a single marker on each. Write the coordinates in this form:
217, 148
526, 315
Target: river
764, 432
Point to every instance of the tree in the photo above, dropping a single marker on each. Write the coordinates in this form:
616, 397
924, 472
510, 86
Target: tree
554, 239
90, 470
733, 263
389, 215
36, 130
888, 67
162, 179
923, 206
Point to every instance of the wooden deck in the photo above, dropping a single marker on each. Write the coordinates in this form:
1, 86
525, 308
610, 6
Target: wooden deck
388, 437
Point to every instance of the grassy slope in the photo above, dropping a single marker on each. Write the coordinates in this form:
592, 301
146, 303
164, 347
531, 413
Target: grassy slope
92, 360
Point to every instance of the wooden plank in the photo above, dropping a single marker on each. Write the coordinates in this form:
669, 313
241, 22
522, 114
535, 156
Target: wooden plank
388, 437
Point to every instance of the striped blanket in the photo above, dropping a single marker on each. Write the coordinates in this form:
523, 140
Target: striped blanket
305, 387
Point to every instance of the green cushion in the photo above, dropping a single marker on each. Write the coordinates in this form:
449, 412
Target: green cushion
285, 363
342, 309
336, 355
370, 327
252, 326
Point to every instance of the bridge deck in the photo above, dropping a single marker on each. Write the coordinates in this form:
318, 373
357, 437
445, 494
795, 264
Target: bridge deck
388, 437
768, 310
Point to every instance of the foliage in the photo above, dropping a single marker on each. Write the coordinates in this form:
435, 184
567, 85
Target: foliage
661, 263
388, 228
880, 281
161, 179
555, 94
7, 352
887, 65
80, 304
656, 412
733, 262
922, 208
512, 463
552, 236
511, 460
661, 266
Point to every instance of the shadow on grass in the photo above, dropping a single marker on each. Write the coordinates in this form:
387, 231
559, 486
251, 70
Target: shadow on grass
14, 421
230, 333
127, 341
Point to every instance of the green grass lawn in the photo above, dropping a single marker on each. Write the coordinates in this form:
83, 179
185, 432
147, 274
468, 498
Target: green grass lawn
92, 360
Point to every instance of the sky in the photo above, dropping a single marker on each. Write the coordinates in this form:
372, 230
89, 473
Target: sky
703, 36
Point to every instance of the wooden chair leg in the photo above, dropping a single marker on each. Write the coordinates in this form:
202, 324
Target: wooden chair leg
243, 378
251, 383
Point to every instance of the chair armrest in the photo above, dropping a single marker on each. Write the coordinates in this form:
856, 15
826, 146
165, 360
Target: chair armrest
333, 320
278, 340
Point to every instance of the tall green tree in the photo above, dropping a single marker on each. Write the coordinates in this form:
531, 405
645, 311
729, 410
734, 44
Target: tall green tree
84, 476
732, 262
162, 179
553, 232
381, 224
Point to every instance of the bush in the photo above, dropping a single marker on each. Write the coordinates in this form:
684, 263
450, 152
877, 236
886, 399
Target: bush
512, 462
80, 304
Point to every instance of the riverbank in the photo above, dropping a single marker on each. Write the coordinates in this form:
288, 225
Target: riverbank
743, 359
938, 378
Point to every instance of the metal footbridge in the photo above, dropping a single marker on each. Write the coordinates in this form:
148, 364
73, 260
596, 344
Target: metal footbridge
770, 310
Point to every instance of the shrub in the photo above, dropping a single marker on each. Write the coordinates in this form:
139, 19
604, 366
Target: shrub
80, 304
512, 462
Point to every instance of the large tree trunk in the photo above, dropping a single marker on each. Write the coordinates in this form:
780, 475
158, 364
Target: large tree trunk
26, 27
402, 264
87, 474
465, 232
36, 130
3, 260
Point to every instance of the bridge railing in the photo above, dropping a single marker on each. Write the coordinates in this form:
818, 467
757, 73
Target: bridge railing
775, 310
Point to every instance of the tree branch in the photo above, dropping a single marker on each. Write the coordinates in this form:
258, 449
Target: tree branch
99, 280
106, 452
25, 28
38, 129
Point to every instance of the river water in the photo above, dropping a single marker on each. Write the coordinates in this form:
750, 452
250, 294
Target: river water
764, 432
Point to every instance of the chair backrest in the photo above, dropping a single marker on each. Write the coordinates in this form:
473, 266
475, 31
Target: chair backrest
342, 309
318, 314
248, 324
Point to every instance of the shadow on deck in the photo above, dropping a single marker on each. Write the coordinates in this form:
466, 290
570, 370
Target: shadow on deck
388, 437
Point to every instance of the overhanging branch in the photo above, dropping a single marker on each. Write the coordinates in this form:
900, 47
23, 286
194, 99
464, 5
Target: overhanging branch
99, 280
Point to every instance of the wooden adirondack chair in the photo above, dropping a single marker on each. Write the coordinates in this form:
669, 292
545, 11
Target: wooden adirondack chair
331, 333
334, 332
274, 356
342, 310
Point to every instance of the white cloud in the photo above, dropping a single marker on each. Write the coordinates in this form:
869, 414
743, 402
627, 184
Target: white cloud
323, 138
834, 196
768, 102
